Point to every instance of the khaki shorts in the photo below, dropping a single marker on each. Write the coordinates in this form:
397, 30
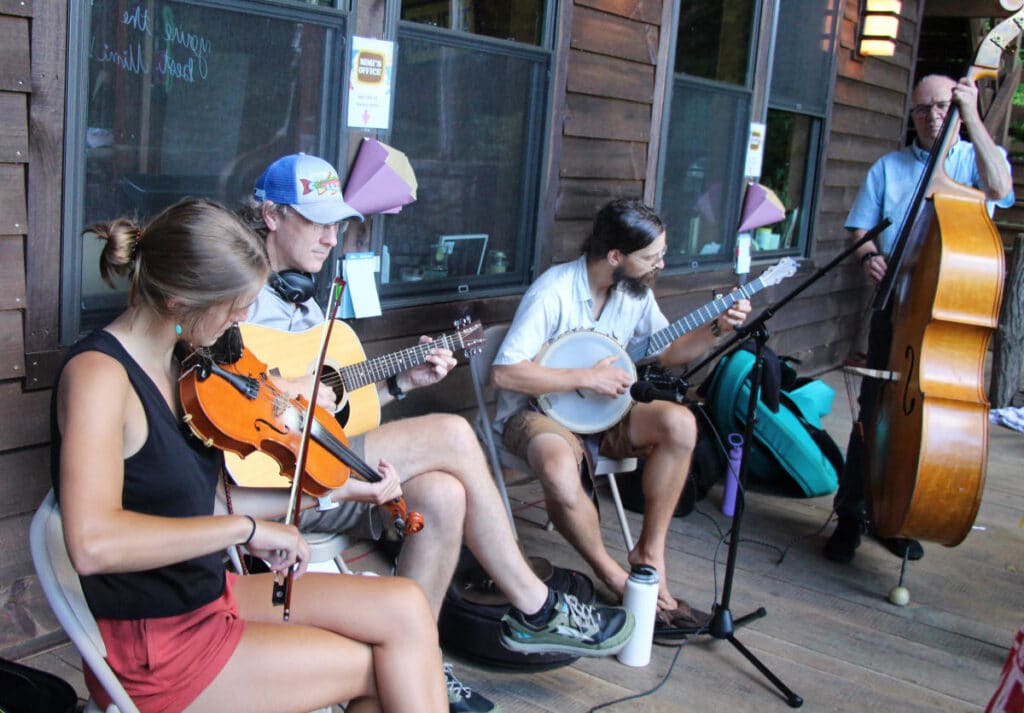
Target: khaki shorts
524, 426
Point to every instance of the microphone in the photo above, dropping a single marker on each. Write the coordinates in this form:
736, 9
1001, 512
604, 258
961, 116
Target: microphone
645, 392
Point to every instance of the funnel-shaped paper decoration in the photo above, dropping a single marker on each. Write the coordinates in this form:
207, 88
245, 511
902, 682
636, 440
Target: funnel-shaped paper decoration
381, 181
761, 207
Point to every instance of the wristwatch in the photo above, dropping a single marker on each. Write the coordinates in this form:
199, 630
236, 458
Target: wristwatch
394, 389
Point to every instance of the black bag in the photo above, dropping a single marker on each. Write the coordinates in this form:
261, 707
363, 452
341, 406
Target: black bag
470, 621
26, 690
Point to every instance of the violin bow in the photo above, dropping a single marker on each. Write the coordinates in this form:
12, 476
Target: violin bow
282, 593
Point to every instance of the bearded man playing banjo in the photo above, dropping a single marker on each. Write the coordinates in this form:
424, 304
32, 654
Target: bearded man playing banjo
607, 290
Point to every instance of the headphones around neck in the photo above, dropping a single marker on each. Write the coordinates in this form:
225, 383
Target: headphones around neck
292, 285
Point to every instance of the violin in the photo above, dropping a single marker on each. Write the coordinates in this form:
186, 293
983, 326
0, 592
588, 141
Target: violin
236, 407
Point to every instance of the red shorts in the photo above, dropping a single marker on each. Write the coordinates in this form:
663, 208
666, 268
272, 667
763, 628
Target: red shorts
164, 663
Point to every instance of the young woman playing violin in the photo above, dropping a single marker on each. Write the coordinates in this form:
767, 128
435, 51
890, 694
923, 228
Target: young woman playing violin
137, 495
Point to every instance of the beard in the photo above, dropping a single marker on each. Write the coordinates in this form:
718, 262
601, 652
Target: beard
635, 286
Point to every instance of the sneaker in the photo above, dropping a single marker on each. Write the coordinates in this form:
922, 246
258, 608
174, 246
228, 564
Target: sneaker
572, 582
574, 628
845, 540
903, 547
462, 699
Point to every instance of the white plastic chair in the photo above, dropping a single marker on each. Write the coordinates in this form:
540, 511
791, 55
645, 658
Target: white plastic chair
502, 459
63, 591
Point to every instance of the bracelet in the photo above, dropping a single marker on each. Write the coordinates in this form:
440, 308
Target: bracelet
867, 256
716, 328
394, 389
252, 531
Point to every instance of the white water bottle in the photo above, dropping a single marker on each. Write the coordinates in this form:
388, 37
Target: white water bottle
641, 598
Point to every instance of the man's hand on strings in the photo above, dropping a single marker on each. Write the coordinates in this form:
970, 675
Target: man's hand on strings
734, 316
303, 386
965, 95
439, 362
607, 379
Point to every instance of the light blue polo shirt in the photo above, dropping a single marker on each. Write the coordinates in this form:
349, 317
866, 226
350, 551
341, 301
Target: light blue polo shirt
892, 181
559, 301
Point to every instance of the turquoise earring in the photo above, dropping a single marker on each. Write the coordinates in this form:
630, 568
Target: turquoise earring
177, 329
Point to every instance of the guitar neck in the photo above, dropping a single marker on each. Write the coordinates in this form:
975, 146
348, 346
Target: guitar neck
660, 340
379, 368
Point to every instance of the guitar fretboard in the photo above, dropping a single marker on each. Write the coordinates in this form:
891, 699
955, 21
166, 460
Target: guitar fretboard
380, 368
660, 340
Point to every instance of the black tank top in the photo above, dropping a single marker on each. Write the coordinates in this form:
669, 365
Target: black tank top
172, 475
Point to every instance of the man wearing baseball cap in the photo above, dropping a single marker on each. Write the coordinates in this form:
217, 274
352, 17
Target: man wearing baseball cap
438, 464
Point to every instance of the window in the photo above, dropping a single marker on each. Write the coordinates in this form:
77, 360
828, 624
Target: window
470, 97
469, 116
707, 122
516, 20
168, 99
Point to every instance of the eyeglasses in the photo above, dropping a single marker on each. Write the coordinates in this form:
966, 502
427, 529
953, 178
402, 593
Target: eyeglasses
926, 109
651, 260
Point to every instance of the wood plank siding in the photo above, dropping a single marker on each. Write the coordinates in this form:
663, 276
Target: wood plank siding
23, 415
867, 119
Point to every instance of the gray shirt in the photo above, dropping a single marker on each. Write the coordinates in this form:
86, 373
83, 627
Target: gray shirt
272, 310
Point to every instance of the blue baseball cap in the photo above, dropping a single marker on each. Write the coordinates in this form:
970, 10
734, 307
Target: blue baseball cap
308, 184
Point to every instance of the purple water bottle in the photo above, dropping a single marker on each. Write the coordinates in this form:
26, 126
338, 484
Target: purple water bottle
732, 475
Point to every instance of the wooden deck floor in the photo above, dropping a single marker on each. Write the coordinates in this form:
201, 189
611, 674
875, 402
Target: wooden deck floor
829, 634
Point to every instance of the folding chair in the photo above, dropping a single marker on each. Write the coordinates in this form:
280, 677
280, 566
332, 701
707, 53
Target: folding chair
501, 459
64, 593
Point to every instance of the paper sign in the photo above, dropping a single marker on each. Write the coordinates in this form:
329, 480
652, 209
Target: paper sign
755, 150
381, 180
369, 84
761, 207
360, 298
743, 253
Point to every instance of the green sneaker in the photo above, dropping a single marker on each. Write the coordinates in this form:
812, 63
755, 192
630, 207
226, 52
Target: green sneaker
461, 699
574, 628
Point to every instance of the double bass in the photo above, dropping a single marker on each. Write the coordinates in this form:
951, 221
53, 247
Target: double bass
926, 447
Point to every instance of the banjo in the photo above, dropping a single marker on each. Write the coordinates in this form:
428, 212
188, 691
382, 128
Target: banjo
585, 411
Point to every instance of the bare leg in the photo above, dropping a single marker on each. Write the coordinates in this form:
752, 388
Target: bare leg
447, 444
572, 512
672, 431
366, 639
430, 556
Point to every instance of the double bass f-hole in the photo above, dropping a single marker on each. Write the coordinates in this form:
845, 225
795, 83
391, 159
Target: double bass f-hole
909, 402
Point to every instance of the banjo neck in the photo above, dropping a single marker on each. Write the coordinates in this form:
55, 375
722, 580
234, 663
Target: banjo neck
656, 343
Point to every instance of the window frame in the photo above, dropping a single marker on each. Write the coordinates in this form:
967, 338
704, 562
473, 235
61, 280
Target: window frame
759, 74
537, 123
339, 23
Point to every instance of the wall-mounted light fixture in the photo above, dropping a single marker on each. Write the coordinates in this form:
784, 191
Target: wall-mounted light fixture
879, 27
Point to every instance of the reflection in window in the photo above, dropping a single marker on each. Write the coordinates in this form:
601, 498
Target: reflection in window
202, 113
787, 148
699, 191
467, 118
714, 40
517, 20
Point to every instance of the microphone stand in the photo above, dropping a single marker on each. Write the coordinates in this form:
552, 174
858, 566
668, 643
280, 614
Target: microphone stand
722, 625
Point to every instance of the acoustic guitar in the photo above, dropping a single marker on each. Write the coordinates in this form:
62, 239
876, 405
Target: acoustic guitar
346, 370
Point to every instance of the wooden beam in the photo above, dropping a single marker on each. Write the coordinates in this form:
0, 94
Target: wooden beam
964, 8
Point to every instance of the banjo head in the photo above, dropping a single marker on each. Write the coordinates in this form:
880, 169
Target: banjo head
584, 411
